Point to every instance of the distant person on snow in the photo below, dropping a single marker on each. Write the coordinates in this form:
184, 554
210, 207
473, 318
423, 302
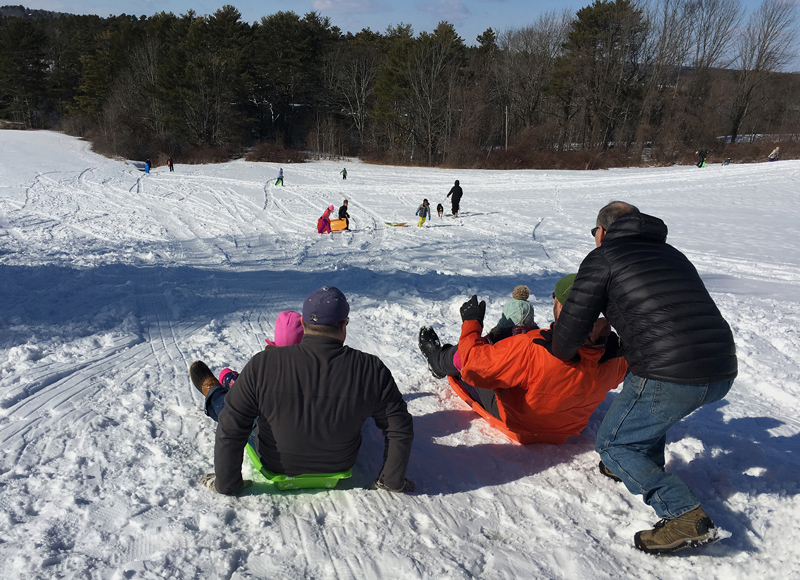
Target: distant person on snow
701, 157
280, 177
310, 401
774, 155
681, 355
517, 380
457, 193
170, 164
343, 215
324, 222
344, 173
423, 211
147, 166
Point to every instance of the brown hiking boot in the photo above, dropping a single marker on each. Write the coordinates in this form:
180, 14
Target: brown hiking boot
202, 377
691, 530
607, 472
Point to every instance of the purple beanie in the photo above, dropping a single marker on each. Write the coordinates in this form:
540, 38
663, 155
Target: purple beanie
288, 329
325, 306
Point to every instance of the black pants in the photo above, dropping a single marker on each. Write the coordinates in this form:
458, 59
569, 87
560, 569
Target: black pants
442, 362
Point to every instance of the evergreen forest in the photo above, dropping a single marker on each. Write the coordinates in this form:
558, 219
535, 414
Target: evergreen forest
620, 82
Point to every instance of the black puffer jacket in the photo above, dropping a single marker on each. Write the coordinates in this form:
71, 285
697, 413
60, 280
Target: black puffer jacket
311, 400
654, 298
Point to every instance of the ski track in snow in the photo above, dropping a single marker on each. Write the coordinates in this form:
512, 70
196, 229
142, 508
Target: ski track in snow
115, 281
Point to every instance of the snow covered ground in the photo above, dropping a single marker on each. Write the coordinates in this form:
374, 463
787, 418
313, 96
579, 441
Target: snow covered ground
112, 282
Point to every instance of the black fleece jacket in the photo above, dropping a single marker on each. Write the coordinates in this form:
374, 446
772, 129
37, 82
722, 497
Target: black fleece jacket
654, 298
311, 400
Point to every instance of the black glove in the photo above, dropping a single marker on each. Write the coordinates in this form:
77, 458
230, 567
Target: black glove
546, 341
209, 480
472, 310
408, 486
614, 348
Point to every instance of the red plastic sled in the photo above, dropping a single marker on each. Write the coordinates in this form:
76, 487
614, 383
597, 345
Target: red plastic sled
523, 437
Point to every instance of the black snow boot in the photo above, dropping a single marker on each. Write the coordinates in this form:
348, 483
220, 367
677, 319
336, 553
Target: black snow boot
430, 346
202, 377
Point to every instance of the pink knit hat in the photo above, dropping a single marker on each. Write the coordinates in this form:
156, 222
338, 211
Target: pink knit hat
330, 207
288, 329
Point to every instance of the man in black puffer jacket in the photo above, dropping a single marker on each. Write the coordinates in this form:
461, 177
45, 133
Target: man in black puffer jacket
681, 355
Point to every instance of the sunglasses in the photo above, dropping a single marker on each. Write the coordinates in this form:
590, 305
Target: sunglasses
594, 230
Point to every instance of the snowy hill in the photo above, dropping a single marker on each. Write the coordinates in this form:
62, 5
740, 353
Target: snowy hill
114, 281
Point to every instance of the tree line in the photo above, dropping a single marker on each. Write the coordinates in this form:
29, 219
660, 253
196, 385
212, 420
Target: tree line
619, 79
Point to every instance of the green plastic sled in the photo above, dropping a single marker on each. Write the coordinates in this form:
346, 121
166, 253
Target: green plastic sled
304, 481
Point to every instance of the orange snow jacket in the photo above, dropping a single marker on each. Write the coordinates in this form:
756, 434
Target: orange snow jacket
536, 392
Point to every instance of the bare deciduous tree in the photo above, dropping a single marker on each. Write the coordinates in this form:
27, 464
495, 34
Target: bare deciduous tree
354, 69
526, 61
433, 75
765, 46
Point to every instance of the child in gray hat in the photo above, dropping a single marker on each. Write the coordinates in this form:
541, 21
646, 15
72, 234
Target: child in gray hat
517, 317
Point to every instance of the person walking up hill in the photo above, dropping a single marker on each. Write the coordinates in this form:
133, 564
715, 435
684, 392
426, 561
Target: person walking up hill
457, 194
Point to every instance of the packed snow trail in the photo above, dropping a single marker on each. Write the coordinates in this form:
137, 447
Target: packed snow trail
113, 282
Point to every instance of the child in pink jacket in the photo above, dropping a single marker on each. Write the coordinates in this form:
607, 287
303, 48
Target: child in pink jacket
324, 223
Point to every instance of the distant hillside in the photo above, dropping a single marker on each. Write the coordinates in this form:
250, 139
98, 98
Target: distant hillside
30, 13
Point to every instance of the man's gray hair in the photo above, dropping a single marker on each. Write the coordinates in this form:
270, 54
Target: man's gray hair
612, 211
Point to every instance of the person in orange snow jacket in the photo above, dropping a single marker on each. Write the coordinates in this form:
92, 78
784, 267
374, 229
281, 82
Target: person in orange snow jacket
518, 381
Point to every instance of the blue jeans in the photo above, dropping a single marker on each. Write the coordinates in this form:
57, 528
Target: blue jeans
632, 437
215, 402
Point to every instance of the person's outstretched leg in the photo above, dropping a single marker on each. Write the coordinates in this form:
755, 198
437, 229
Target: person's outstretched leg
208, 385
440, 358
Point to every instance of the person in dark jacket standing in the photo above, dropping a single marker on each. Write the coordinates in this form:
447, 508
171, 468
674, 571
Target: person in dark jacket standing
344, 215
457, 193
701, 157
681, 356
310, 401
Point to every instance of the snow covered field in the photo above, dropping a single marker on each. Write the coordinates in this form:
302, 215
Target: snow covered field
112, 282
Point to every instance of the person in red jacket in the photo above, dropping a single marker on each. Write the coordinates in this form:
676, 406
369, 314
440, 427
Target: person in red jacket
518, 381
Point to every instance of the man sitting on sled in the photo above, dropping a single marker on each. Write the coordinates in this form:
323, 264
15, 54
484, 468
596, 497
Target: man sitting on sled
310, 401
533, 395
